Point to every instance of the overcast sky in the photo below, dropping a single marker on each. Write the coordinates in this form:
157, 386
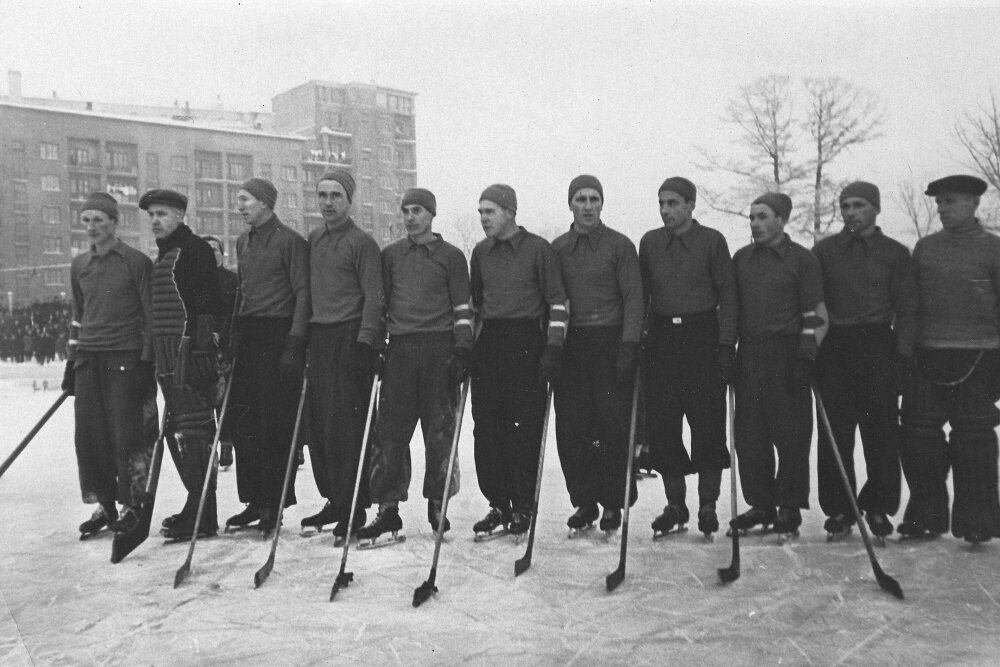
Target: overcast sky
532, 94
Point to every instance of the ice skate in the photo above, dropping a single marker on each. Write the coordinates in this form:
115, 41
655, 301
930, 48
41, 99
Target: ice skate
880, 526
387, 520
611, 521
313, 525
755, 516
915, 529
184, 529
495, 524
434, 515
672, 520
268, 521
101, 519
249, 515
582, 520
518, 526
787, 523
708, 521
340, 530
127, 521
838, 527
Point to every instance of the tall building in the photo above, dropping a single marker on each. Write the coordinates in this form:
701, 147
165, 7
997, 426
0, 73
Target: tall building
54, 152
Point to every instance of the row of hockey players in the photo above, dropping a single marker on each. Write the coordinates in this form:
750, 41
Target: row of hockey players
856, 317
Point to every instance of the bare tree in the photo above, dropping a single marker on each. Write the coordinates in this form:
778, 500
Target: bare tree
979, 134
918, 208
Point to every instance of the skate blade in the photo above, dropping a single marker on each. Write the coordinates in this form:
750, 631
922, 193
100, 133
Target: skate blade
837, 537
660, 534
97, 533
310, 531
489, 537
579, 532
744, 532
184, 539
240, 529
784, 538
379, 542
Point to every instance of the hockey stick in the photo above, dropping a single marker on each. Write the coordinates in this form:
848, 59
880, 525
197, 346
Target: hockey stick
522, 564
33, 432
732, 573
125, 543
887, 583
183, 570
615, 578
264, 572
344, 579
422, 592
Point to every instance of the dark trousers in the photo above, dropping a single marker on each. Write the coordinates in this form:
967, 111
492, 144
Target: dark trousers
957, 387
770, 418
681, 380
261, 414
113, 443
508, 406
592, 418
855, 377
417, 386
338, 405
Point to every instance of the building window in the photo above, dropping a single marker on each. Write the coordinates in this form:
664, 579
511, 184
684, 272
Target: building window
289, 173
123, 190
384, 154
291, 200
207, 165
52, 215
20, 200
128, 217
17, 162
265, 170
386, 206
53, 277
48, 151
52, 245
21, 233
81, 185
239, 167
152, 170
179, 162
50, 183
79, 156
122, 158
209, 195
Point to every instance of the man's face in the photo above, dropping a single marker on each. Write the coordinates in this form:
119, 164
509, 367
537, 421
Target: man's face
418, 221
496, 220
101, 228
765, 226
333, 202
217, 251
956, 209
165, 219
859, 215
586, 205
675, 211
254, 211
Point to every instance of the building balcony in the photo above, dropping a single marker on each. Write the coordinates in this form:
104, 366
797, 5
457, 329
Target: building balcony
335, 133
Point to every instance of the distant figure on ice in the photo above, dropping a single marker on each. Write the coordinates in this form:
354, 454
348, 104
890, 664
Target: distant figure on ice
109, 368
957, 372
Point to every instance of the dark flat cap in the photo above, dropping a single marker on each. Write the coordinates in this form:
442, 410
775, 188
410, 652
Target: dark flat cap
959, 184
165, 197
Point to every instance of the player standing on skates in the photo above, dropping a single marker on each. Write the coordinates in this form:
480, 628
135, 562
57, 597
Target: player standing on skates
429, 322
516, 286
593, 394
687, 275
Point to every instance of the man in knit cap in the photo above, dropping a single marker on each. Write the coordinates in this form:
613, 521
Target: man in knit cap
593, 394
687, 275
268, 343
957, 376
345, 332
516, 287
109, 368
429, 321
782, 323
868, 285
187, 305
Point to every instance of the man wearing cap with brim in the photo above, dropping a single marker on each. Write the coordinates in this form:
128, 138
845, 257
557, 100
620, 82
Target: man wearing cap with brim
690, 351
268, 342
345, 334
782, 323
868, 286
429, 322
187, 305
516, 288
109, 369
593, 394
957, 374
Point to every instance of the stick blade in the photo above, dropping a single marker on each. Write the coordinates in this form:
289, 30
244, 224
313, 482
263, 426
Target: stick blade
263, 573
613, 580
423, 592
729, 574
888, 584
344, 580
182, 573
521, 565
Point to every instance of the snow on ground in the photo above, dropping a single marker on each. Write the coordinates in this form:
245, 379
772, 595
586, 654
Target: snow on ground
808, 602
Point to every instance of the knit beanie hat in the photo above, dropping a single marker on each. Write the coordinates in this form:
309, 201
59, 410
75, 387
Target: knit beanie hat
263, 190
103, 202
585, 181
344, 178
862, 190
681, 186
501, 194
421, 197
778, 202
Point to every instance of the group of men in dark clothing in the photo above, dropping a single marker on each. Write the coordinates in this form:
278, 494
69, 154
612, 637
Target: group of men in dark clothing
855, 319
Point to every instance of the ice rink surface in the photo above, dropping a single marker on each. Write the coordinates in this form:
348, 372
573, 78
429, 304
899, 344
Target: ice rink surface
805, 603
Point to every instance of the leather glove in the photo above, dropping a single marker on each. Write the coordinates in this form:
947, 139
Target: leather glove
725, 363
69, 377
627, 362
799, 373
550, 364
292, 360
459, 366
147, 380
361, 357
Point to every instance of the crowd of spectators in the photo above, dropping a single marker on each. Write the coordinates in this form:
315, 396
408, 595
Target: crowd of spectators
36, 332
